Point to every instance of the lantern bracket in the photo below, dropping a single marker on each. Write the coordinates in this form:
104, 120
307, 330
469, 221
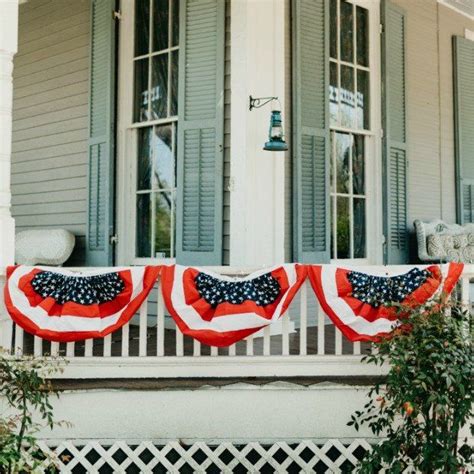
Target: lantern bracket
257, 102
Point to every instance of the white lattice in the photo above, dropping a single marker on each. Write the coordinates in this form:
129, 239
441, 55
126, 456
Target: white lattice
174, 457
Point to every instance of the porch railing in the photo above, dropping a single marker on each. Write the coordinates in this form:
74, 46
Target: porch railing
305, 343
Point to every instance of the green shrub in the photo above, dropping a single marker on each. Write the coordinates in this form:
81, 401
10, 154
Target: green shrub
25, 393
426, 398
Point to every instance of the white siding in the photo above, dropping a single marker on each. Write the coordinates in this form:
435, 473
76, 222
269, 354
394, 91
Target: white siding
430, 108
50, 118
450, 23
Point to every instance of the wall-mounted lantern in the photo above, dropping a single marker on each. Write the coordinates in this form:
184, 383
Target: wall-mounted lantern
276, 141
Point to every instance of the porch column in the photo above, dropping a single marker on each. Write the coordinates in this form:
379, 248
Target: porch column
257, 182
8, 48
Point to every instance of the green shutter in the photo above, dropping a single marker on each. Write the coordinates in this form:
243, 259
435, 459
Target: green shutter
311, 231
200, 133
464, 126
394, 144
101, 135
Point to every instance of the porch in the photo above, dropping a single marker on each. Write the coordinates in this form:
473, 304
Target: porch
147, 390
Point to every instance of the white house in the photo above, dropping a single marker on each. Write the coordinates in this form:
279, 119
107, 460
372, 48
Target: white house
128, 123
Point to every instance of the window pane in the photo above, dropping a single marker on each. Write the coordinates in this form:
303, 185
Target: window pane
142, 26
140, 113
347, 96
164, 209
333, 28
343, 228
174, 83
333, 253
159, 86
347, 28
144, 165
333, 94
332, 182
343, 150
175, 22
160, 24
359, 228
358, 165
363, 101
143, 226
163, 174
362, 36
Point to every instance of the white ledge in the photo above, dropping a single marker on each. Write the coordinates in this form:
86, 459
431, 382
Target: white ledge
221, 366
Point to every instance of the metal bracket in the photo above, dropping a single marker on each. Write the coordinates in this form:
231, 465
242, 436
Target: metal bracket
257, 102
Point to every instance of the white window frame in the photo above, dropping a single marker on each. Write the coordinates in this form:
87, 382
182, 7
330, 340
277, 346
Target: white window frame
126, 169
373, 144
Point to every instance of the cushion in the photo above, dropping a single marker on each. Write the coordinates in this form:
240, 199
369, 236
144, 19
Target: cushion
43, 246
453, 248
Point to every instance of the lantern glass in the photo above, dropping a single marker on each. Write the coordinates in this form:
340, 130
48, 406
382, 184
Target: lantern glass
276, 141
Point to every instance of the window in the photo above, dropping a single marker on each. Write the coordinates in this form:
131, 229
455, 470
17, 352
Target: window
155, 109
349, 111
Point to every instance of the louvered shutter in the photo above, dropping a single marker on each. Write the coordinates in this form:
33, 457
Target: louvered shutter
101, 135
311, 131
394, 143
200, 133
464, 126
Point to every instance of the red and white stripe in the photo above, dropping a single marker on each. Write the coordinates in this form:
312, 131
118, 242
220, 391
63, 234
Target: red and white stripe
74, 327
225, 328
354, 326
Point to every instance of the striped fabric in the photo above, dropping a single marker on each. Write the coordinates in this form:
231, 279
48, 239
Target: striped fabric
348, 305
64, 306
234, 317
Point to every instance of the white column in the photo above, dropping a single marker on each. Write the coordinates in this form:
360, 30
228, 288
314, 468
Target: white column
257, 176
8, 48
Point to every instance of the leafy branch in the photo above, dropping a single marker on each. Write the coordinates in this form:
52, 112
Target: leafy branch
426, 398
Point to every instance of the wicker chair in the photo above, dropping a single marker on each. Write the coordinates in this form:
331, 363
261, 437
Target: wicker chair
441, 242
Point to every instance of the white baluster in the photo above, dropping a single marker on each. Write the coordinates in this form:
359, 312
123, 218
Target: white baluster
18, 339
55, 349
125, 339
266, 340
142, 331
108, 345
466, 302
179, 343
356, 348
285, 336
160, 323
88, 347
37, 346
249, 345
338, 341
321, 328
70, 349
303, 318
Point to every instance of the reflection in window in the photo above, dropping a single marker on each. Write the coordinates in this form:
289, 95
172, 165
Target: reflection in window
155, 109
349, 103
156, 191
349, 66
156, 59
348, 199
